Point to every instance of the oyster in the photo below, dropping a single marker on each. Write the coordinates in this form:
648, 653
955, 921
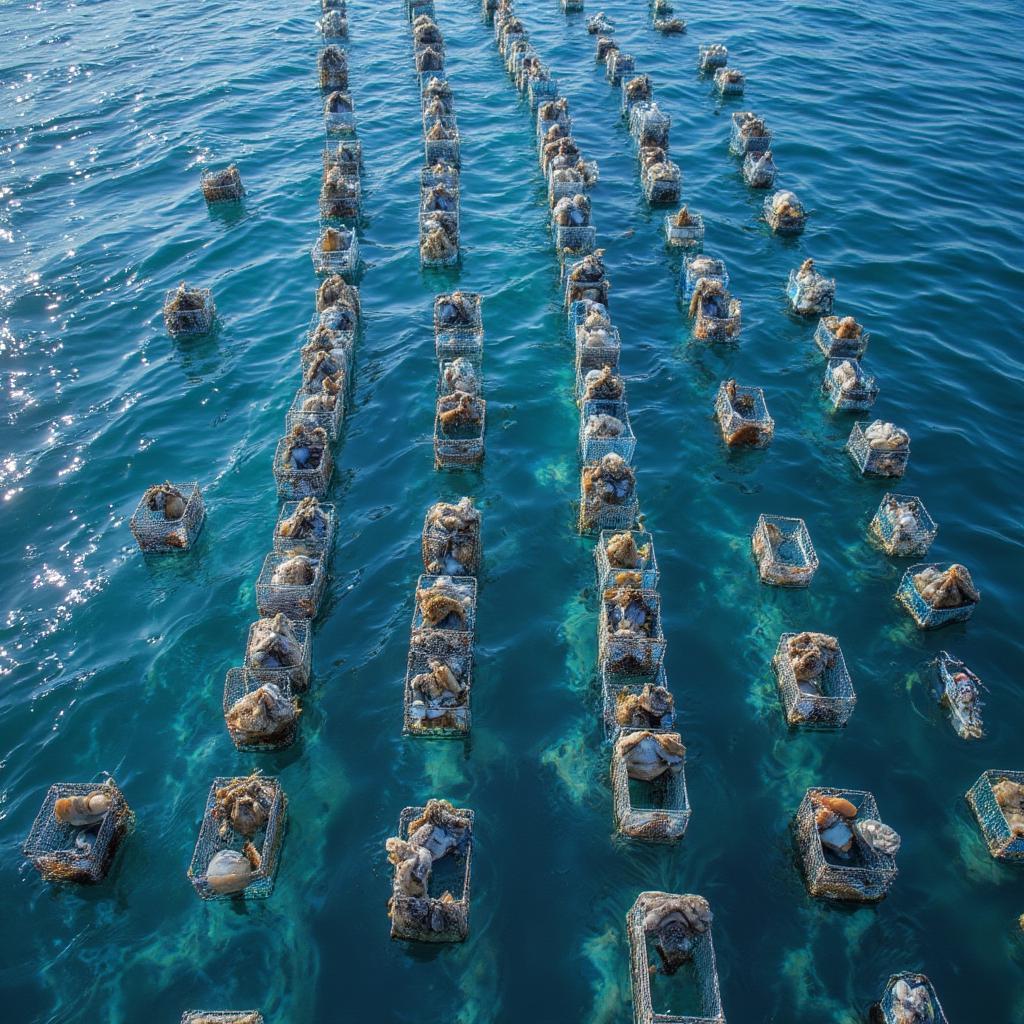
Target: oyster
82, 811
307, 522
262, 715
949, 588
243, 805
297, 570
165, 498
273, 644
649, 755
674, 922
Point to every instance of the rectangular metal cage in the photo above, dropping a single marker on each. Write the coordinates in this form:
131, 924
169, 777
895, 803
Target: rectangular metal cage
1002, 842
890, 462
828, 709
783, 551
919, 610
664, 823
295, 602
896, 540
238, 682
154, 533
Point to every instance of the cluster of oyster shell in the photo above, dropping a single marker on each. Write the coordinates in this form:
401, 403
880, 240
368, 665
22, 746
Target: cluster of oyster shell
306, 447
638, 89
451, 538
165, 498
673, 923
946, 588
652, 708
610, 480
308, 522
273, 644
883, 436
837, 820
442, 605
649, 755
263, 715
911, 1003
572, 211
297, 569
1010, 797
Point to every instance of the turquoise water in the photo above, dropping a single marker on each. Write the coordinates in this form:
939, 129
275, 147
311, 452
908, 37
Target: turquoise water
898, 130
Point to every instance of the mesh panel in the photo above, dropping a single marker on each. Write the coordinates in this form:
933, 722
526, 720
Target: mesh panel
342, 201
788, 224
646, 570
861, 395
711, 57
329, 419
758, 175
569, 6
155, 533
296, 602
183, 323
1001, 842
463, 450
343, 262
441, 151
594, 448
442, 640
751, 427
663, 824
575, 241
694, 272
237, 683
294, 677
473, 304
215, 192
690, 236
293, 483
718, 328
597, 357
920, 611
627, 652
725, 84
648, 125
741, 144
438, 720
541, 89
662, 190
829, 709
617, 65
448, 177
834, 347
961, 698
598, 514
319, 546
436, 544
544, 123
347, 155
873, 461
340, 122
889, 1007
791, 560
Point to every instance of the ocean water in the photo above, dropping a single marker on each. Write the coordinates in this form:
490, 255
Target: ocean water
899, 129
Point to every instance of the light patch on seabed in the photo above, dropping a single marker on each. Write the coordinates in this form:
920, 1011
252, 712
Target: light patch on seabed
575, 762
611, 997
579, 631
809, 996
978, 864
794, 766
559, 474
478, 983
443, 765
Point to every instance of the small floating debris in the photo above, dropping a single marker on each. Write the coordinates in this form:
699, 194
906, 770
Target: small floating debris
711, 57
426, 836
730, 81
997, 800
604, 428
841, 337
78, 831
960, 693
291, 582
336, 251
847, 853
444, 616
649, 785
188, 311
749, 134
625, 558
278, 651
785, 213
669, 26
908, 999
935, 596
810, 293
631, 638
902, 526
222, 1017
636, 90
339, 113
814, 683
759, 169
608, 495
333, 24
717, 316
459, 427
879, 449
676, 930
783, 551
598, 343
240, 838
743, 415
303, 464
222, 186
306, 526
618, 65
648, 125
600, 24
332, 66
684, 229
259, 716
451, 539
849, 385
169, 517
437, 692
587, 279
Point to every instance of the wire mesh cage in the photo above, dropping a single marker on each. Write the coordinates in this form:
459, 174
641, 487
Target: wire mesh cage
598, 344
604, 428
903, 995
662, 183
222, 186
279, 652
188, 312
631, 638
902, 526
822, 700
450, 542
626, 558
654, 810
636, 702
649, 125
610, 504
711, 57
436, 98
222, 1017
862, 874
698, 971
303, 464
430, 918
458, 323
997, 800
785, 214
760, 169
460, 373
810, 293
460, 424
580, 289
291, 583
531, 67
572, 6
848, 385
345, 154
783, 551
518, 56
439, 239
169, 517
669, 26
698, 266
438, 687
579, 309
841, 337
539, 90
439, 174
429, 60
415, 8
336, 251
307, 526
574, 240
959, 692
78, 831
878, 453
333, 24
444, 613
684, 230
324, 409
717, 316
259, 716
339, 345
743, 416
340, 195
619, 64
564, 183
332, 68
218, 868
729, 81
441, 141
339, 113
749, 134
928, 612
634, 90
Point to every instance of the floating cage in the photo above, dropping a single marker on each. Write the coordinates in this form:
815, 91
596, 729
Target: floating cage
340, 198
959, 691
711, 57
644, 574
615, 391
783, 551
188, 322
575, 240
615, 687
570, 181
222, 1017
342, 260
701, 972
463, 339
657, 811
597, 512
156, 533
441, 150
685, 236
876, 461
319, 544
211, 842
888, 1010
596, 352
699, 266
619, 64
714, 321
333, 24
438, 541
579, 310
631, 653
463, 444
648, 125
448, 223
759, 169
539, 90
332, 67
454, 911
429, 59
222, 186
462, 373
449, 633
294, 677
295, 601
417, 7
441, 718
743, 415
813, 297
743, 142
865, 876
669, 26
572, 6
339, 114
77, 853
853, 388
902, 526
926, 616
593, 291
665, 186
440, 174
239, 683
634, 91
545, 124
834, 347
827, 705
1004, 842
294, 482
729, 81
785, 214
346, 155
330, 419
593, 447
604, 46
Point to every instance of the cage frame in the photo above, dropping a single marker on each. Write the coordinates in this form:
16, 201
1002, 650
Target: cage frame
330, 419
576, 240
886, 463
239, 682
923, 614
417, 662
596, 514
724, 86
332, 80
150, 528
442, 151
327, 29
995, 830
785, 227
429, 531
220, 193
341, 122
688, 278
730, 420
711, 57
435, 638
614, 683
882, 530
447, 261
793, 294
189, 323
341, 261
607, 573
662, 191
833, 347
946, 665
457, 452
294, 484
649, 824
332, 158
886, 1004
740, 144
691, 236
858, 399
450, 179
750, 172
297, 677
649, 125
617, 65
719, 328
771, 571
295, 602
646, 652
540, 90
829, 710
593, 449
349, 202
319, 548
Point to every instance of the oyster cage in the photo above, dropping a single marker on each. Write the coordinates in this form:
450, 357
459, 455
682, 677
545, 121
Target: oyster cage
435, 538
571, 184
222, 1017
631, 654
874, 461
648, 125
293, 482
662, 190
598, 514
819, 303
959, 693
828, 709
184, 323
329, 419
446, 638
294, 601
472, 331
340, 122
783, 551
597, 357
342, 203
834, 347
1003, 842
408, 907
757, 174
641, 969
447, 176
155, 533
901, 543
725, 84
919, 610
645, 575
692, 273
617, 65
446, 151
541, 89
889, 1008
210, 843
464, 448
718, 328
664, 823
341, 261
861, 395
689, 236
867, 878
318, 546
594, 448
750, 427
436, 720
295, 677
613, 684
577, 241
347, 155
237, 683
216, 191
786, 224
740, 144
53, 847
711, 57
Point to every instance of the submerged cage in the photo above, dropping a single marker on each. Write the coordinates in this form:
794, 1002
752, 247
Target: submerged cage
222, 1017
959, 692
848, 385
729, 81
319, 543
689, 235
824, 706
667, 813
631, 653
463, 443
340, 197
188, 311
662, 182
865, 876
717, 317
619, 64
749, 134
156, 533
785, 214
924, 614
295, 482
239, 683
294, 600
811, 295
594, 446
343, 255
902, 526
445, 148
267, 848
445, 226
464, 337
222, 186
616, 688
783, 551
575, 240
643, 574
1005, 841
648, 125
876, 461
698, 266
701, 971
759, 169
294, 677
347, 155
826, 337
328, 418
441, 542
451, 632
889, 1009
339, 114
711, 57
597, 348
448, 717
601, 512
62, 852
743, 415
538, 90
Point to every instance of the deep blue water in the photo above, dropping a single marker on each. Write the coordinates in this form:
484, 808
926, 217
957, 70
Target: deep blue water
898, 127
